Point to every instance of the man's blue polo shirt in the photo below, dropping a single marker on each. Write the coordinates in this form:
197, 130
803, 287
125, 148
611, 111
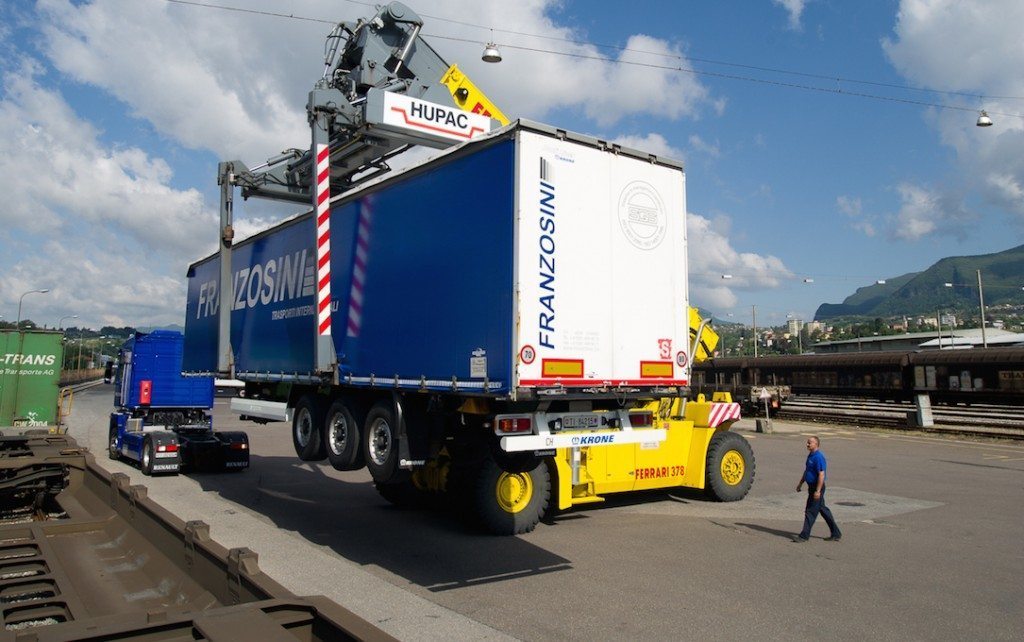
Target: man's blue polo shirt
815, 465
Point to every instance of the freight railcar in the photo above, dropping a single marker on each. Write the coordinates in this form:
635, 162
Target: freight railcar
989, 375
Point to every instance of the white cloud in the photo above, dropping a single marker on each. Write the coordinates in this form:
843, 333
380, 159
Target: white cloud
795, 8
849, 206
100, 280
854, 209
118, 234
700, 145
237, 84
652, 144
711, 255
92, 222
925, 212
74, 175
971, 46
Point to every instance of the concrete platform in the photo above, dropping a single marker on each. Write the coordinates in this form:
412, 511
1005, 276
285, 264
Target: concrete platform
930, 550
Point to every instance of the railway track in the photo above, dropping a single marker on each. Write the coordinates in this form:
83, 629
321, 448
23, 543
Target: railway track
86, 555
976, 419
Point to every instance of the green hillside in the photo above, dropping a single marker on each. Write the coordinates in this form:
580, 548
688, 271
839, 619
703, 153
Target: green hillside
923, 293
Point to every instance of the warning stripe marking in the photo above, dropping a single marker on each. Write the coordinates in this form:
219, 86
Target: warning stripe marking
723, 412
323, 239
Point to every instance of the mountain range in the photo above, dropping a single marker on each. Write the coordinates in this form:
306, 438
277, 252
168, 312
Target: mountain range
922, 293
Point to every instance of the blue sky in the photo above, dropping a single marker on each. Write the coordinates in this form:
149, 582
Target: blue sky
114, 113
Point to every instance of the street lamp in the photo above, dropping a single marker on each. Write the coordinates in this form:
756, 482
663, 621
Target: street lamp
43, 291
491, 53
60, 324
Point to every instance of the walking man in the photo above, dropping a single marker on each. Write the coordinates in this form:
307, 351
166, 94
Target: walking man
814, 476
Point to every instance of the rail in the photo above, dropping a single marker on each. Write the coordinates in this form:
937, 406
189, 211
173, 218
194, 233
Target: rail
985, 420
84, 554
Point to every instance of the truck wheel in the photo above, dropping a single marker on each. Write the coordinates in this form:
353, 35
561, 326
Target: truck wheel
730, 467
403, 494
306, 435
341, 436
146, 463
112, 450
511, 503
380, 443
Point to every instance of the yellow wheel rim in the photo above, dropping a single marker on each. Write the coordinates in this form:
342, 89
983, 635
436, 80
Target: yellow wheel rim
514, 491
732, 468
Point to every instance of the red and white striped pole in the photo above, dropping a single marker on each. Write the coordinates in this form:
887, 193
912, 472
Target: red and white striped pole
323, 239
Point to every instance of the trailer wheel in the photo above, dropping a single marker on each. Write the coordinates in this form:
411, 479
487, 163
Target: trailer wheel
403, 494
306, 434
730, 467
146, 463
341, 437
511, 503
112, 450
380, 443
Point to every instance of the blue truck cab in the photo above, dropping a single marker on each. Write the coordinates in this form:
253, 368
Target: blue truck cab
162, 419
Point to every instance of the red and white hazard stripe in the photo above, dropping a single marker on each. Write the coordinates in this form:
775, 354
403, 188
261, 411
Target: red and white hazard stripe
355, 306
323, 239
723, 412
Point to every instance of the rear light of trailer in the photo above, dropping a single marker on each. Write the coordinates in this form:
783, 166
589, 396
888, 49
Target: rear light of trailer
167, 448
239, 445
515, 425
641, 419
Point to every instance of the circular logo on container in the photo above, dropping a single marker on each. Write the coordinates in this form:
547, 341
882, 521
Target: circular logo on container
642, 215
527, 354
681, 359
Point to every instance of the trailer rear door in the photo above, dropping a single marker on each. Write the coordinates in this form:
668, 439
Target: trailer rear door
601, 266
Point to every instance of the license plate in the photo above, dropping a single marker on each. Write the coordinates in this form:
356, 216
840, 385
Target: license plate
577, 422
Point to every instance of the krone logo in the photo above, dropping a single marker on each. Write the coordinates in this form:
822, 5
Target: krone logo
642, 215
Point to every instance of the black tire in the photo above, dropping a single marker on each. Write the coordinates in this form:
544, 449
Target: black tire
380, 443
520, 462
307, 429
403, 494
730, 467
146, 462
511, 503
341, 438
112, 450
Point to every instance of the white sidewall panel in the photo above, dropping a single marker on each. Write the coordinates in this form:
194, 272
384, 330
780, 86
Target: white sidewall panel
601, 260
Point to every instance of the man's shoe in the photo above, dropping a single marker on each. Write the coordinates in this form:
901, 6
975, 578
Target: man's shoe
833, 539
799, 540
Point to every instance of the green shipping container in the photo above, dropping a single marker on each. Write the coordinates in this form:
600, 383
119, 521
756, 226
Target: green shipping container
29, 378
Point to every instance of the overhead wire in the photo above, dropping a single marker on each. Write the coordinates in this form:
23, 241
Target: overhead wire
680, 68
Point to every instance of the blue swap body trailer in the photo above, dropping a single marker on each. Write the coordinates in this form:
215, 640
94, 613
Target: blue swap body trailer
523, 292
162, 418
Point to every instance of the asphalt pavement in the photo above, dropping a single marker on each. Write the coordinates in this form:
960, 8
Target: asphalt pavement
930, 546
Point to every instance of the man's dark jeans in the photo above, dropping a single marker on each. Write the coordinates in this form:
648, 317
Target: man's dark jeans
815, 506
